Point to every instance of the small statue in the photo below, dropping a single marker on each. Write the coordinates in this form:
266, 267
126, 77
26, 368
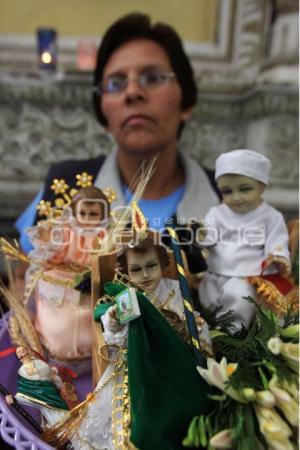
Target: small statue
148, 360
61, 261
38, 386
246, 236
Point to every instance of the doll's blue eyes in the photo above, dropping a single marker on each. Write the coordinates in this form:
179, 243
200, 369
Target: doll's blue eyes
138, 268
227, 192
92, 214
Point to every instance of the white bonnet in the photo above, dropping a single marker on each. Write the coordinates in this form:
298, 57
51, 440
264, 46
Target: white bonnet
244, 162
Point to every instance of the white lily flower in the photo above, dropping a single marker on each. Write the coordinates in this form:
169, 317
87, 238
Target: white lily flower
274, 345
217, 374
222, 440
274, 429
290, 410
249, 394
282, 388
291, 388
280, 394
290, 332
265, 398
290, 353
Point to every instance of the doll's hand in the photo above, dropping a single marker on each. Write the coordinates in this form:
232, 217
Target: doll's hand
282, 266
55, 377
279, 262
43, 233
114, 322
9, 399
199, 321
266, 263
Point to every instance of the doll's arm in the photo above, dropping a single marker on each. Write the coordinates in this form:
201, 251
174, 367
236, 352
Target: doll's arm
114, 332
208, 235
276, 245
39, 234
56, 378
50, 241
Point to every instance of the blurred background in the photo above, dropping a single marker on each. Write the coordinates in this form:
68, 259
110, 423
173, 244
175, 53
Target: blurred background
245, 56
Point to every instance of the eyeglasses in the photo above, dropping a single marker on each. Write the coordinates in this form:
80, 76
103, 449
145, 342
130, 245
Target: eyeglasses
149, 79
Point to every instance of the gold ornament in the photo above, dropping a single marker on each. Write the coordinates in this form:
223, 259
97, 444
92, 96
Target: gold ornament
44, 208
59, 186
110, 194
139, 223
84, 179
59, 202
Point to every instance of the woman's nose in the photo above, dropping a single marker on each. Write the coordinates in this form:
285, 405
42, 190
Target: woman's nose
134, 90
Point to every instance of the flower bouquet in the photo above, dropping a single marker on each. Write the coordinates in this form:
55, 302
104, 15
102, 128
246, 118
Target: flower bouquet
255, 375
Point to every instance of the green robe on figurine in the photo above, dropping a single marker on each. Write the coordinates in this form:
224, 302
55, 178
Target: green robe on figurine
151, 389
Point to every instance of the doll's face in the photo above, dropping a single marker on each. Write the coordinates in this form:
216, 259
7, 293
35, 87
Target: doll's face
21, 352
89, 213
144, 268
240, 193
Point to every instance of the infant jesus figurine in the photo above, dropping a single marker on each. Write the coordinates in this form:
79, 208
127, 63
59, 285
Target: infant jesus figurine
246, 236
162, 373
60, 260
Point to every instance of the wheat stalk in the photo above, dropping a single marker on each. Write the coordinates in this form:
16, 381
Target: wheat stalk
15, 332
138, 185
25, 327
12, 250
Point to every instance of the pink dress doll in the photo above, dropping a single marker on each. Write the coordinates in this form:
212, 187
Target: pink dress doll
61, 259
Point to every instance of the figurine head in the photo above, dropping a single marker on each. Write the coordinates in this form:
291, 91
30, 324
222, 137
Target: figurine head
22, 352
242, 176
143, 263
90, 207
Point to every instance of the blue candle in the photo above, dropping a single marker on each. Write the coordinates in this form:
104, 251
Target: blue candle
47, 51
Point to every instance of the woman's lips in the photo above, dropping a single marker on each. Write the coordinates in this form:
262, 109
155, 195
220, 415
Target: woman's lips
137, 119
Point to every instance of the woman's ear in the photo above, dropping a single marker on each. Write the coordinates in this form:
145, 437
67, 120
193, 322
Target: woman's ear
187, 114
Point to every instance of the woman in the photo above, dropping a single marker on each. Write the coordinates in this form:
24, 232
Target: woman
144, 93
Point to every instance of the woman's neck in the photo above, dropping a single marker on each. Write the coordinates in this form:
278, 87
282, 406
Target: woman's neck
167, 177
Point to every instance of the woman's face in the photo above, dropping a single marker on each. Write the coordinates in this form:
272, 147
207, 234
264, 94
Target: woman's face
142, 118
144, 268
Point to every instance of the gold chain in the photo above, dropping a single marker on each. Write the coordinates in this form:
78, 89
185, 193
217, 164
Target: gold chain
124, 279
66, 283
121, 403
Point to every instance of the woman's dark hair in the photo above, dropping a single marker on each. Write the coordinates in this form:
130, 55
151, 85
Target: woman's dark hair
138, 26
143, 247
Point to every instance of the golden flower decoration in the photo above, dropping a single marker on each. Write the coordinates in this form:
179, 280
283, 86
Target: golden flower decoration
59, 186
110, 194
59, 202
84, 179
73, 192
44, 208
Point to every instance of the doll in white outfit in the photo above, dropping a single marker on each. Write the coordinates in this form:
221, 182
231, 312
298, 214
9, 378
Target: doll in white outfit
246, 236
